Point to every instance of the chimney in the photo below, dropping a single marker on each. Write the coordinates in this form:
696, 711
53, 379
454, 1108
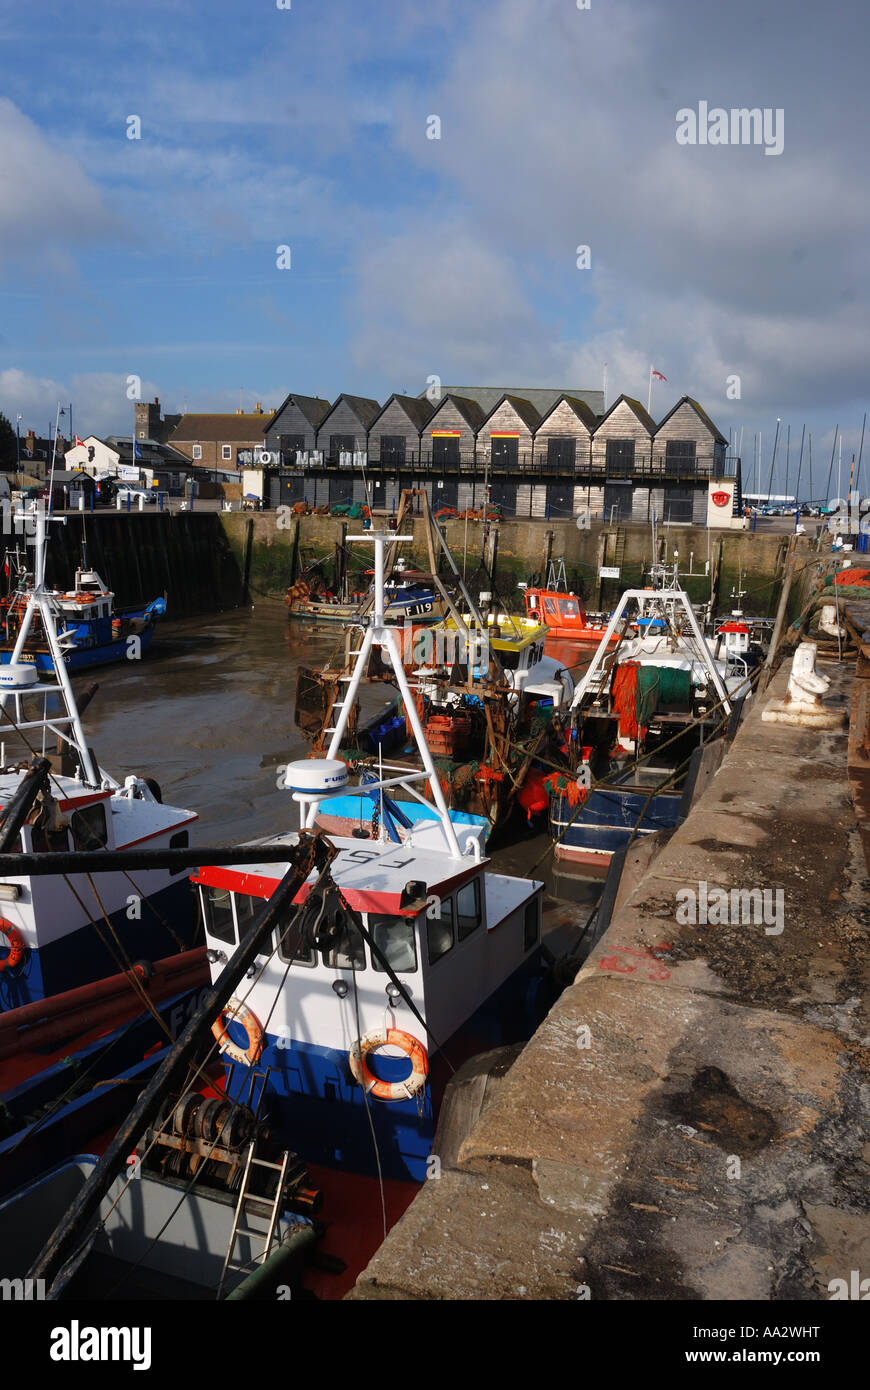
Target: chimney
258, 409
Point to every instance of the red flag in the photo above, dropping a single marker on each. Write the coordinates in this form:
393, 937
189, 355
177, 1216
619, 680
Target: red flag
79, 442
659, 375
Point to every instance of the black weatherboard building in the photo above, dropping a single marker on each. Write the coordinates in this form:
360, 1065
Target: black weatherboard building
541, 452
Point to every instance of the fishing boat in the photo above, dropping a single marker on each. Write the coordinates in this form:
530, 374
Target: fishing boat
559, 608
91, 631
486, 695
642, 717
350, 979
61, 932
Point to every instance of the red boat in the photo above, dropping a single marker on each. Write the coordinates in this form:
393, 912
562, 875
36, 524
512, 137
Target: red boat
564, 615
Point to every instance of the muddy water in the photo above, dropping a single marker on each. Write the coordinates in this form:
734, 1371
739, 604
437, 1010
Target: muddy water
209, 714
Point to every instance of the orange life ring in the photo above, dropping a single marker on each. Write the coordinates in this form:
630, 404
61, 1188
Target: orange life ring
16, 945
240, 1014
389, 1090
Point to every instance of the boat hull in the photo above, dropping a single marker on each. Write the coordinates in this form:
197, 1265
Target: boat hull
607, 822
83, 658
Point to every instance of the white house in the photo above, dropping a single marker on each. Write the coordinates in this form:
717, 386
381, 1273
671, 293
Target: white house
94, 456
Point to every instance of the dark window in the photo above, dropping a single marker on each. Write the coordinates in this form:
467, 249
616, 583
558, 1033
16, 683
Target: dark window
550, 607
445, 451
617, 504
340, 444
439, 931
290, 445
619, 459
393, 449
680, 457
677, 504
560, 455
347, 950
289, 937
180, 840
530, 925
219, 922
468, 914
394, 936
88, 825
505, 453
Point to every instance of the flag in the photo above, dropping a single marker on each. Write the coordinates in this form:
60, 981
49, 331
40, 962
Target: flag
137, 452
80, 443
659, 375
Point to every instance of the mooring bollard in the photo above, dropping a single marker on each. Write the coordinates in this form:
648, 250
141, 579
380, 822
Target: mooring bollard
81, 501
141, 502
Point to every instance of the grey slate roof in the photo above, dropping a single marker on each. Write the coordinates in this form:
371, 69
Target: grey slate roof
363, 407
470, 410
418, 409
543, 398
640, 411
526, 411
314, 408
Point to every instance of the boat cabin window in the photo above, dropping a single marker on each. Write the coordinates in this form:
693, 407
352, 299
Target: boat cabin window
468, 914
88, 825
569, 607
439, 931
180, 840
394, 936
549, 607
49, 841
348, 950
530, 923
509, 659
289, 938
218, 905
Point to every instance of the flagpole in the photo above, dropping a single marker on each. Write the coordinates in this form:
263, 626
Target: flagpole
649, 393
605, 388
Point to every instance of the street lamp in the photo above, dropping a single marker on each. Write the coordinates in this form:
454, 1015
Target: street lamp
18, 448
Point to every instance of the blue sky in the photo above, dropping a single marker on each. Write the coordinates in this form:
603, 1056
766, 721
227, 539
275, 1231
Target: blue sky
410, 257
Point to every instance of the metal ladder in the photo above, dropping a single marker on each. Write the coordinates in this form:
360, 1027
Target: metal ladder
241, 1208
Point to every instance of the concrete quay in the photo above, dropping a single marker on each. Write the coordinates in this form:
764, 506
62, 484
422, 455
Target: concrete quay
692, 1119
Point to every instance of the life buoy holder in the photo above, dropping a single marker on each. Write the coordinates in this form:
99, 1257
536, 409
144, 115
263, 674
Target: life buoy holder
389, 1090
239, 1013
16, 945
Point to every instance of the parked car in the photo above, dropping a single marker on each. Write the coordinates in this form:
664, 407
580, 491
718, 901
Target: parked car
132, 492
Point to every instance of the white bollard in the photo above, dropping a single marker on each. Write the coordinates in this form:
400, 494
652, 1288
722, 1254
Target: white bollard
141, 502
119, 501
81, 501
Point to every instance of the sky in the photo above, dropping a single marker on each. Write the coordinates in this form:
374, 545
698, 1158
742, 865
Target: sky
307, 126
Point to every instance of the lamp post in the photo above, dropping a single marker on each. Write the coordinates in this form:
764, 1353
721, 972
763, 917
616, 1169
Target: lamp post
18, 448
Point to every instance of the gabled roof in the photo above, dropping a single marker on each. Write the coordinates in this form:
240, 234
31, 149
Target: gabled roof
699, 409
526, 411
365, 409
541, 397
640, 411
312, 407
418, 409
469, 409
583, 412
218, 429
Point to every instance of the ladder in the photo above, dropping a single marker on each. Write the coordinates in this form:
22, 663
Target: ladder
242, 1208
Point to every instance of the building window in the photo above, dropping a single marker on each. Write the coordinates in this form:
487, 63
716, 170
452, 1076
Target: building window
439, 931
619, 458
142, 434
505, 453
340, 444
197, 451
680, 457
394, 938
393, 450
226, 451
560, 455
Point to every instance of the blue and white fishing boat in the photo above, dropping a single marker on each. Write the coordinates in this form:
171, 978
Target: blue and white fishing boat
639, 718
415, 957
61, 931
90, 630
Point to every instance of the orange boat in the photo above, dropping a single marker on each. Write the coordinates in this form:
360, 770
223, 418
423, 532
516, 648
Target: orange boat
564, 615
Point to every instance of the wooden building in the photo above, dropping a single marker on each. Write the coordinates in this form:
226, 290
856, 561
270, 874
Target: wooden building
507, 435
344, 428
394, 434
293, 428
687, 443
449, 438
563, 442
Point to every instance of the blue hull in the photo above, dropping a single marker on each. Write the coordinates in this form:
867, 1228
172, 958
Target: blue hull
315, 1106
81, 957
81, 658
607, 820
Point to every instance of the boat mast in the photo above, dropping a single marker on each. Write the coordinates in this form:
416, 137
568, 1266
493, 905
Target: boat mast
378, 634
39, 600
